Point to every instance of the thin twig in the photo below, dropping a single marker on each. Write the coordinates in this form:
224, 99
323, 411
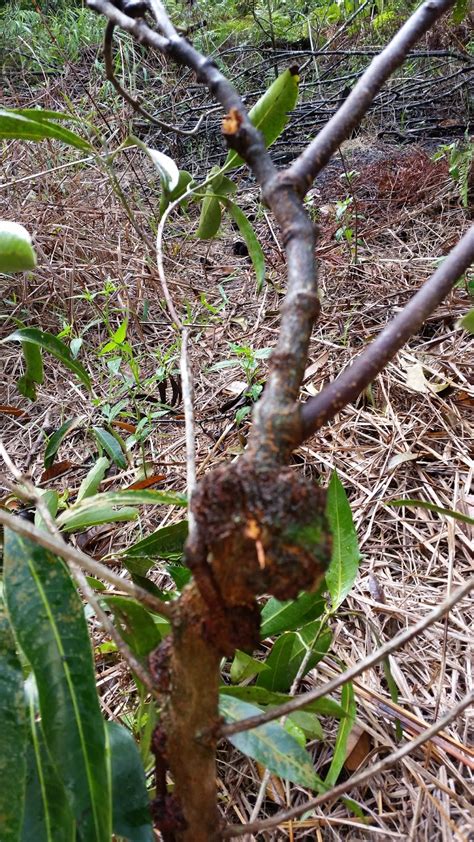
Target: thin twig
379, 655
357, 780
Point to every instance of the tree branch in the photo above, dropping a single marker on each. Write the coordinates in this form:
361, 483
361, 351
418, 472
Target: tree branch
373, 659
231, 832
312, 160
345, 388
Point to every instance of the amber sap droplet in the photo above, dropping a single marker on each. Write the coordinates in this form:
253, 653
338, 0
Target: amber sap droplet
232, 122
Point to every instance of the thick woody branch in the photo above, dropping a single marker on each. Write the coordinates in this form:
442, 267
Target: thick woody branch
355, 781
375, 658
312, 160
345, 388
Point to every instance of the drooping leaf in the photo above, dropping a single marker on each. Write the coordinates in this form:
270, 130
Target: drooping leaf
55, 440
90, 484
50, 499
50, 343
49, 623
35, 126
12, 734
269, 745
345, 727
33, 375
210, 218
261, 696
166, 543
168, 196
342, 571
423, 504
111, 446
285, 616
16, 251
131, 806
288, 652
244, 666
75, 520
48, 816
253, 245
167, 169
135, 624
270, 113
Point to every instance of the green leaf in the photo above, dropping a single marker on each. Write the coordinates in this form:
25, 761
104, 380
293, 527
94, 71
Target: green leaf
50, 499
244, 666
269, 745
210, 218
135, 624
432, 508
261, 696
14, 124
345, 727
90, 483
131, 806
74, 520
54, 442
285, 616
49, 623
47, 815
33, 371
270, 113
54, 346
460, 11
16, 252
111, 446
467, 321
342, 571
309, 724
288, 652
295, 731
12, 734
167, 543
254, 247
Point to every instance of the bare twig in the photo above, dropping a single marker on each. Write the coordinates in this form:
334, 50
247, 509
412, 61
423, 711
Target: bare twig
356, 780
345, 388
375, 658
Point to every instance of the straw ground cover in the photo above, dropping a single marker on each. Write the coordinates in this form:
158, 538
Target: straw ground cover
409, 437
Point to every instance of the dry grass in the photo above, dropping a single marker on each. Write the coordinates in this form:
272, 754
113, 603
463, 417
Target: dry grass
396, 442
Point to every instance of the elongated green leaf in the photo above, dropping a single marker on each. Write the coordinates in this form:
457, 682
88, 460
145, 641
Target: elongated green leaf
16, 125
55, 440
288, 652
49, 623
168, 196
90, 484
285, 616
111, 446
254, 247
244, 666
54, 346
210, 218
345, 558
48, 817
432, 508
131, 806
261, 696
467, 321
33, 371
16, 251
309, 724
345, 727
50, 499
74, 520
12, 734
134, 623
45, 114
270, 113
270, 745
167, 543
